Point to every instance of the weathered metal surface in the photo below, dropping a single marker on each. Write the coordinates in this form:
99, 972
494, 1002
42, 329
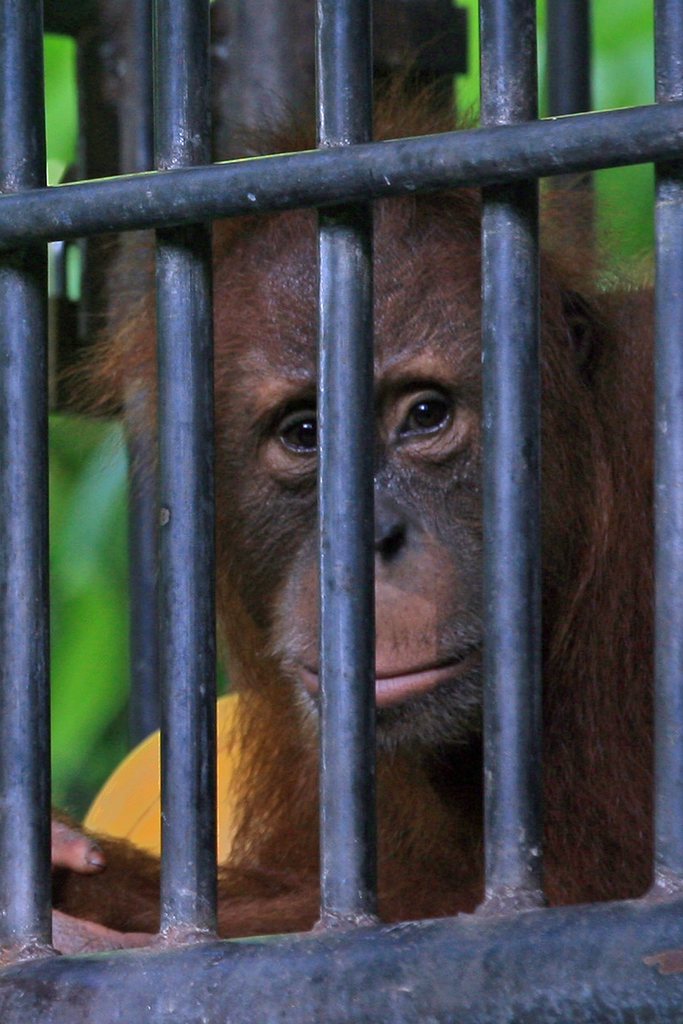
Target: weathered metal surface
476, 157
24, 603
511, 426
187, 656
580, 965
669, 468
348, 829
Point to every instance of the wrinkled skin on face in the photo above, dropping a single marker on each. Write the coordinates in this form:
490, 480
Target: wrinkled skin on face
427, 457
427, 479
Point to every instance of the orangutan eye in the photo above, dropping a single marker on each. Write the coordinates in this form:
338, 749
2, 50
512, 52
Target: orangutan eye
299, 431
429, 413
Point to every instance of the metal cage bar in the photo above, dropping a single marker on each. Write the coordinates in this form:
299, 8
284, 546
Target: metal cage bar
511, 476
143, 523
568, 77
669, 469
569, 72
480, 968
24, 651
346, 414
137, 154
479, 156
186, 463
584, 965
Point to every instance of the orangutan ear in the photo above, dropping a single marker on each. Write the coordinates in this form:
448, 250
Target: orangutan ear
583, 327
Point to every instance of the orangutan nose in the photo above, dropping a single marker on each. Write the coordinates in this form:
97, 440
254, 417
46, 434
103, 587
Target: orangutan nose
391, 530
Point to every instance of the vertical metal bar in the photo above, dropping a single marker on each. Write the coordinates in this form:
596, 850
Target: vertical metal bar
345, 403
143, 522
511, 381
24, 636
136, 103
97, 157
669, 469
569, 91
185, 353
569, 47
137, 154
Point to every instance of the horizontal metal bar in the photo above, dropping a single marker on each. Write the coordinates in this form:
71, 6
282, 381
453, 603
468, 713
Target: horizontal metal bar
480, 156
578, 964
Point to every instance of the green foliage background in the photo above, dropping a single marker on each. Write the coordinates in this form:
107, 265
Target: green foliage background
87, 552
88, 500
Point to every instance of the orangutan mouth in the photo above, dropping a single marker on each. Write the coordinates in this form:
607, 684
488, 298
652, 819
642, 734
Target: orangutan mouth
394, 686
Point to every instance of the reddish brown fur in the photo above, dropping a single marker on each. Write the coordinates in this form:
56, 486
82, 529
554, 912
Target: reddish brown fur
597, 596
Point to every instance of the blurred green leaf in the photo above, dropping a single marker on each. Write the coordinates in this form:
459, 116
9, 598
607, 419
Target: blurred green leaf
622, 76
61, 119
89, 605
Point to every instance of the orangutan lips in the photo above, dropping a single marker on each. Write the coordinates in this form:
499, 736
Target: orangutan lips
395, 687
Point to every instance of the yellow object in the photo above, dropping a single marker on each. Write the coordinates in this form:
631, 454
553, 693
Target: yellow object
128, 805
